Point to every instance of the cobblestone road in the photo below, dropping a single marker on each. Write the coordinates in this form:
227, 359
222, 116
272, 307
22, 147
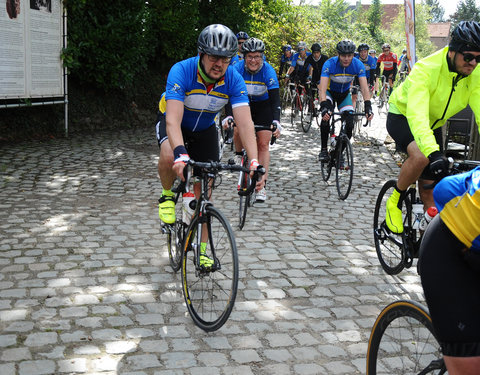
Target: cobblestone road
85, 282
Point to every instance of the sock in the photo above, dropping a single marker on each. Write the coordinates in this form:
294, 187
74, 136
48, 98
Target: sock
167, 192
203, 247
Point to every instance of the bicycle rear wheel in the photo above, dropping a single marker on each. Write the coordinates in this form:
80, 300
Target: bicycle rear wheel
402, 341
294, 109
175, 236
307, 110
344, 167
359, 108
389, 246
210, 294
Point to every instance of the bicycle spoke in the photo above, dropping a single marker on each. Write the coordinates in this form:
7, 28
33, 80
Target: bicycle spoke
344, 167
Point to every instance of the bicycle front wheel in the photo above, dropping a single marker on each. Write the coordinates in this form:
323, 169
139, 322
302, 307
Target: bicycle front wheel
389, 246
175, 237
344, 167
244, 202
307, 116
294, 109
210, 294
402, 341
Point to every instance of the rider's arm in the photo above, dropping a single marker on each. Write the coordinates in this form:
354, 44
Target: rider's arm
274, 95
243, 120
474, 103
174, 116
322, 88
364, 87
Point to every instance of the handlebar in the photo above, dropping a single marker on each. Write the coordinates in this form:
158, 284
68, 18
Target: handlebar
455, 167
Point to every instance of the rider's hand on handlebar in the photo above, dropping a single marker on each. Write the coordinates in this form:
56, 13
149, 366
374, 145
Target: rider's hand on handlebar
227, 122
326, 108
439, 164
276, 128
368, 110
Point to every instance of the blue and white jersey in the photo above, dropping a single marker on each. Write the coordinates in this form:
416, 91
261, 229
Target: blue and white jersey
340, 78
297, 61
259, 83
235, 59
286, 59
370, 65
201, 106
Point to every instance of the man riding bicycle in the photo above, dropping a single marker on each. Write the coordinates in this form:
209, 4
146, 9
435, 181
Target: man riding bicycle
389, 60
298, 70
334, 88
197, 89
264, 96
449, 267
370, 66
438, 87
286, 59
242, 36
314, 64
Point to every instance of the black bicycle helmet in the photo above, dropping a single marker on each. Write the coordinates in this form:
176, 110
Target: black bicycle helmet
316, 47
242, 35
286, 47
465, 37
385, 45
217, 40
253, 45
363, 46
345, 46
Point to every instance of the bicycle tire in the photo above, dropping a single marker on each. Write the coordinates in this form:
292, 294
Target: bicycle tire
326, 168
293, 112
210, 295
403, 341
175, 236
388, 245
307, 113
244, 202
344, 167
359, 108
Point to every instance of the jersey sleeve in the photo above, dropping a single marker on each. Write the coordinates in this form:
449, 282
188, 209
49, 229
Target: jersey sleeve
327, 68
238, 93
175, 88
294, 60
271, 80
360, 68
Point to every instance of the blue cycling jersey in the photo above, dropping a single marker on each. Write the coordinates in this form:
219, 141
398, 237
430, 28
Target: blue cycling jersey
457, 198
298, 63
340, 78
370, 65
259, 83
185, 84
286, 59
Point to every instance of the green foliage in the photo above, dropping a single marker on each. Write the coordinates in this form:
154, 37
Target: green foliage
107, 43
374, 18
436, 10
467, 10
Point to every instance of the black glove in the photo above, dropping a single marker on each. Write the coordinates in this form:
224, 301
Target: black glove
438, 164
368, 108
325, 107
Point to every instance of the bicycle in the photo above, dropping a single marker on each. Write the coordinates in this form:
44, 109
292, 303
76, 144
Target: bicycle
383, 96
246, 188
340, 156
287, 97
209, 292
311, 108
397, 251
297, 103
359, 108
403, 341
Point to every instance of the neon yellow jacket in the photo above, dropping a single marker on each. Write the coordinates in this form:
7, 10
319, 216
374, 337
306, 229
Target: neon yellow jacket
432, 94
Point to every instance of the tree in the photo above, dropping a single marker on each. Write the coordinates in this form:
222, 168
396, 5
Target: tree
467, 10
436, 10
336, 13
374, 18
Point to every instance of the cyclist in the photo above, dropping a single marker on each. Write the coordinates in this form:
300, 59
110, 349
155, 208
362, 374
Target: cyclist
197, 89
389, 60
450, 271
298, 70
264, 95
334, 88
315, 62
286, 59
370, 66
439, 86
242, 36
373, 54
403, 63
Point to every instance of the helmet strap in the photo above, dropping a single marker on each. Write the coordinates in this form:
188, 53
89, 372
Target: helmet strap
201, 70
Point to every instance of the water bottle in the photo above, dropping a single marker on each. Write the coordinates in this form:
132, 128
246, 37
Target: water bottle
427, 218
417, 211
187, 210
333, 140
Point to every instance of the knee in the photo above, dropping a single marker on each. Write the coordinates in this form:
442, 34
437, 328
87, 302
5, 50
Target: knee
263, 146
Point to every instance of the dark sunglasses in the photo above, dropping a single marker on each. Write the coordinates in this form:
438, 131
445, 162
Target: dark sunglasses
467, 57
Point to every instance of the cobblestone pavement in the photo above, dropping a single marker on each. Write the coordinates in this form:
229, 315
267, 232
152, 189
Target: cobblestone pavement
86, 286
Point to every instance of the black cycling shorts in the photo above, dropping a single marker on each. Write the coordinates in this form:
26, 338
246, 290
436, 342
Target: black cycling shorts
201, 146
399, 130
389, 75
451, 281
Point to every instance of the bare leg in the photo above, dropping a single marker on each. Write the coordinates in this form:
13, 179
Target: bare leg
263, 145
412, 168
462, 365
237, 140
165, 162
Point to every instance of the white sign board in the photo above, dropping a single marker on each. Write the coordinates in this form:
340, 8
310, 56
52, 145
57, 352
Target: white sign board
31, 41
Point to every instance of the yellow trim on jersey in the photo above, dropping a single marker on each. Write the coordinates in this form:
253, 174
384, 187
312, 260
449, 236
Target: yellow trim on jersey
204, 92
461, 215
162, 104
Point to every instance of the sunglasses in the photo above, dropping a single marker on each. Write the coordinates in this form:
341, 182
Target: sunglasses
467, 57
213, 58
